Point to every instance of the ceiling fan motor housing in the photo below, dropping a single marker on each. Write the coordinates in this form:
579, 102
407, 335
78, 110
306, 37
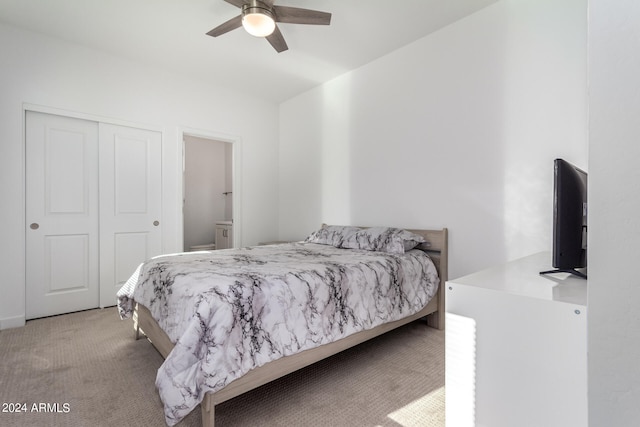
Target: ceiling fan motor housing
258, 18
256, 6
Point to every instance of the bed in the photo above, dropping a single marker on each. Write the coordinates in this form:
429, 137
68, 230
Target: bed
229, 321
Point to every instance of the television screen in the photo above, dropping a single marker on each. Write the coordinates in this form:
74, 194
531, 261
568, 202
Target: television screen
569, 219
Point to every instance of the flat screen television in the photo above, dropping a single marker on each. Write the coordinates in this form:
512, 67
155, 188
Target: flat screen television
569, 219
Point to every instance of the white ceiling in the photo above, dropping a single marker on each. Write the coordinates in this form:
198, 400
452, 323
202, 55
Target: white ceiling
171, 34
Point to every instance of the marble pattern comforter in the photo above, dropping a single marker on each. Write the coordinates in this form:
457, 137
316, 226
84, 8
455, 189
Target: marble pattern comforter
230, 311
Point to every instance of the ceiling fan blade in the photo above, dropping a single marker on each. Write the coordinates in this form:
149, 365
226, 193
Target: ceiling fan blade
231, 24
295, 15
236, 3
277, 40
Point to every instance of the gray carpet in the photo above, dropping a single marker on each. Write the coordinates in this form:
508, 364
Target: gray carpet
85, 369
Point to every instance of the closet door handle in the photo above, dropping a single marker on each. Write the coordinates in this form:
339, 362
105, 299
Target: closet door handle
34, 226
156, 223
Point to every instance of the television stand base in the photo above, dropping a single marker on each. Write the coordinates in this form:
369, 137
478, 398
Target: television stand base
566, 270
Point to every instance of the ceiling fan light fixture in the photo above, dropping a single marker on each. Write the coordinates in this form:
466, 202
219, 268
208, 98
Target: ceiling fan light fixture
258, 20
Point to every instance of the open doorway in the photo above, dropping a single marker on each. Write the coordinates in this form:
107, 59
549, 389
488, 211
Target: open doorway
209, 192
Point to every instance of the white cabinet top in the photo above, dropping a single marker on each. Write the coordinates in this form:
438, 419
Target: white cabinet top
522, 277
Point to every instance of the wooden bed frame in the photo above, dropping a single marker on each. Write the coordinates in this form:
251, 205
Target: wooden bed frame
434, 312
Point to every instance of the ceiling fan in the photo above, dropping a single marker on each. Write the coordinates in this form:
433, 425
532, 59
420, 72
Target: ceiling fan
259, 18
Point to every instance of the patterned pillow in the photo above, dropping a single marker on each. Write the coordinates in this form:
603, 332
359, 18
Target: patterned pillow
383, 239
332, 235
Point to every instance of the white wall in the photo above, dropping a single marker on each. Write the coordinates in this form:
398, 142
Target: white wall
43, 71
458, 129
614, 213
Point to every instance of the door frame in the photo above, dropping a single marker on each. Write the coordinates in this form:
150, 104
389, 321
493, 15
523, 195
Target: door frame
236, 195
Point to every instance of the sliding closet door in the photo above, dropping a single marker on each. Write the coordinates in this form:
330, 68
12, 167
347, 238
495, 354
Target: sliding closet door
62, 265
94, 198
130, 204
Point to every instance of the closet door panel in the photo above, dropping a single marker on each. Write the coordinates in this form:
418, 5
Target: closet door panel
130, 203
62, 252
129, 249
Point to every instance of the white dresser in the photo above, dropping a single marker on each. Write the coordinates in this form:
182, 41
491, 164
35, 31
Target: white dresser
516, 347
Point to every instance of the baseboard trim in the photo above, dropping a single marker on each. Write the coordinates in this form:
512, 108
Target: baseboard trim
12, 322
